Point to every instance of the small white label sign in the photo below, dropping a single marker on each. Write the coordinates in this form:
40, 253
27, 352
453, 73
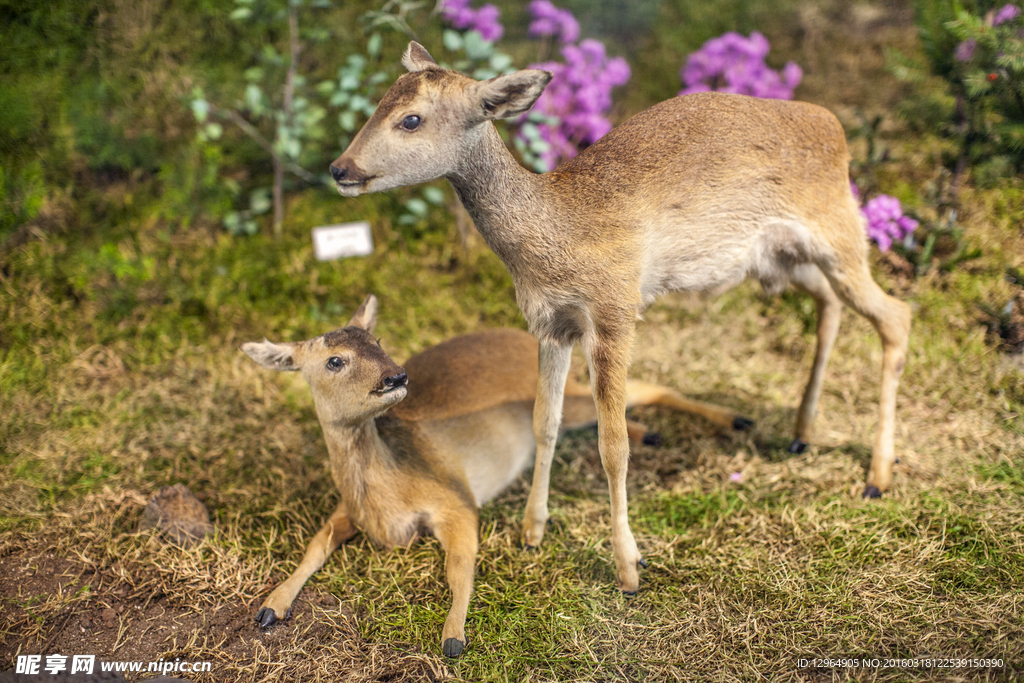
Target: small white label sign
338, 241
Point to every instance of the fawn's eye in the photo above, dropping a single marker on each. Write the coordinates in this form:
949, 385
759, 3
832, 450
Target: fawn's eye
334, 363
411, 122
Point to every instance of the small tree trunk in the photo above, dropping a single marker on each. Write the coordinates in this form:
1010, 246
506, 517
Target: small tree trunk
278, 196
289, 95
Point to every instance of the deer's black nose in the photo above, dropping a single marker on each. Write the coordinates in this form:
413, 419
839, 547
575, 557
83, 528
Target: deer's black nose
398, 380
338, 173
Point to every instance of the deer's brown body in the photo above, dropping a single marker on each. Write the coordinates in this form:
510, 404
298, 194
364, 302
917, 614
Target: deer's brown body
418, 458
694, 194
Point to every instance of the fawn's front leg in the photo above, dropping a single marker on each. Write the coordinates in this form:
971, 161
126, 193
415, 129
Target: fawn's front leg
457, 533
336, 531
554, 361
608, 358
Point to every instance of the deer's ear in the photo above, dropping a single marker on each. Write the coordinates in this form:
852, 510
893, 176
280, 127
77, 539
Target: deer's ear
416, 58
272, 356
510, 95
366, 316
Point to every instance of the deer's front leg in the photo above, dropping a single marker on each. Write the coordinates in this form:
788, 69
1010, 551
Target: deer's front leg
608, 359
278, 604
554, 363
458, 535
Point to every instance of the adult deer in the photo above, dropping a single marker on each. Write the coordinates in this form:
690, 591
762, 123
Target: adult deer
415, 451
696, 194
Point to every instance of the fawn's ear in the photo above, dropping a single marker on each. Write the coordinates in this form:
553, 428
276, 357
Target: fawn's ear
510, 95
366, 316
272, 356
416, 58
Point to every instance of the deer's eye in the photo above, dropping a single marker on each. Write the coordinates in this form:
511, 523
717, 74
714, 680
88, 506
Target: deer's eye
334, 363
411, 122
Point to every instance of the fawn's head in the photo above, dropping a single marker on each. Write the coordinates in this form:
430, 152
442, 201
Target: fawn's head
351, 377
426, 120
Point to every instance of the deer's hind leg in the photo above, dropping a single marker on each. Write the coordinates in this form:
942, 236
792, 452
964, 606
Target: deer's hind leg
554, 361
336, 531
810, 279
851, 280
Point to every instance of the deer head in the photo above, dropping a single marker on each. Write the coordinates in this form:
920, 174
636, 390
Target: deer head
351, 376
426, 122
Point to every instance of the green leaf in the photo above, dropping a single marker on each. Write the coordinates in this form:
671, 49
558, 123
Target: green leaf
417, 207
232, 222
213, 130
347, 120
269, 54
254, 98
356, 61
240, 14
200, 109
539, 146
434, 195
476, 47
452, 40
373, 45
501, 61
259, 200
254, 74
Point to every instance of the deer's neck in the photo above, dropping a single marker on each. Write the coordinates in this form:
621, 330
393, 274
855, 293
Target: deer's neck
359, 459
505, 200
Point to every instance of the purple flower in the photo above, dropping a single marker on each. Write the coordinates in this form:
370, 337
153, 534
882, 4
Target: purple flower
1005, 14
886, 222
732, 63
485, 20
488, 23
579, 94
965, 50
549, 20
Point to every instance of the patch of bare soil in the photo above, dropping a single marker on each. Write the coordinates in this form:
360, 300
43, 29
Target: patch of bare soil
103, 614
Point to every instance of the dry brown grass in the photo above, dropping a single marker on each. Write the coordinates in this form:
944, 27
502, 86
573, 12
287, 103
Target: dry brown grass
745, 578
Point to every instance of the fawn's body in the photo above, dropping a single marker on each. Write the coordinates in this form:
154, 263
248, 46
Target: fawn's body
461, 435
694, 194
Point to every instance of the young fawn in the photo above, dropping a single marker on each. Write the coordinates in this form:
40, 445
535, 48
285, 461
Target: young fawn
696, 194
458, 432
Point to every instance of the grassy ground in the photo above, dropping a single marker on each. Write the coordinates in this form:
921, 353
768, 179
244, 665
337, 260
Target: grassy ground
120, 373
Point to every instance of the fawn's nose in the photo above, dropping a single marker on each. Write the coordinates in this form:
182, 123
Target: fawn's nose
338, 173
395, 381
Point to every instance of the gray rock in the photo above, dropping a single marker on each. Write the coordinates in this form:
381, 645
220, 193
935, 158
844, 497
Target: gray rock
178, 514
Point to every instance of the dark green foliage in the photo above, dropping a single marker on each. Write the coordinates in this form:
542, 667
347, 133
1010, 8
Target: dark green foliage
981, 59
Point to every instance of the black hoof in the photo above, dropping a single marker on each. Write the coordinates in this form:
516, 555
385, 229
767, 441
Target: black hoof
453, 647
872, 492
642, 563
897, 461
266, 617
742, 424
652, 439
797, 446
